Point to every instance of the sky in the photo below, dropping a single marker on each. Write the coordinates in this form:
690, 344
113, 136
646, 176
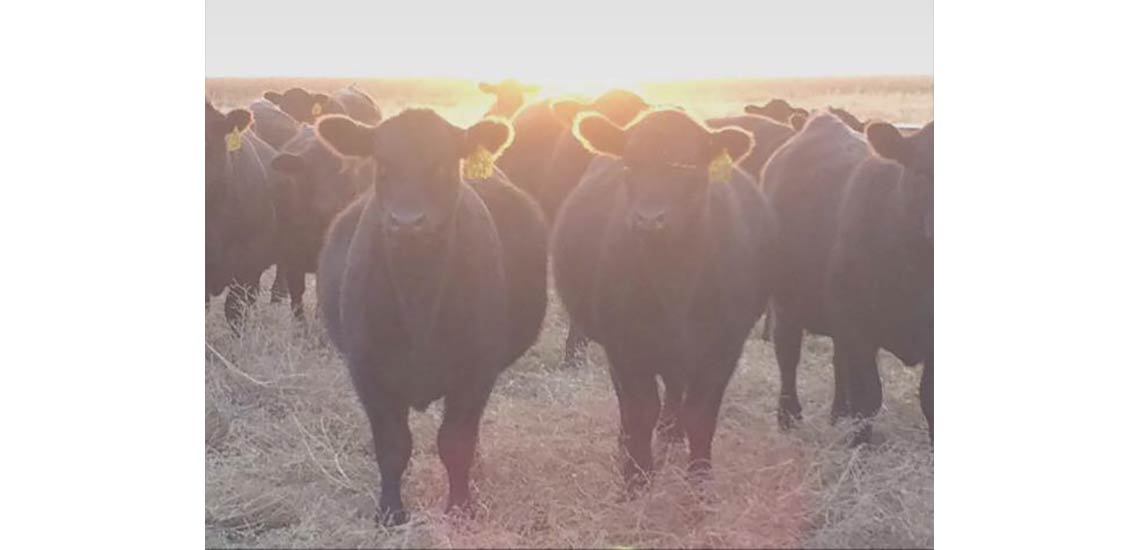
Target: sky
605, 41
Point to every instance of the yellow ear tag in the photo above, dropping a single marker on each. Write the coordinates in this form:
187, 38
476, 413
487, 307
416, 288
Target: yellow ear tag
316, 109
478, 165
720, 169
233, 140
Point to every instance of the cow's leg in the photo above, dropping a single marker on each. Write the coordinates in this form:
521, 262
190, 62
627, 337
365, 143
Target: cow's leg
669, 426
699, 415
295, 282
639, 406
279, 289
788, 337
458, 435
862, 387
926, 395
574, 354
392, 441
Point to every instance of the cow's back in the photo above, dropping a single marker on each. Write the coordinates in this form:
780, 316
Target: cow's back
271, 124
357, 105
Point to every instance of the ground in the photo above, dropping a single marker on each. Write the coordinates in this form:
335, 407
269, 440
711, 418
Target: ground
289, 460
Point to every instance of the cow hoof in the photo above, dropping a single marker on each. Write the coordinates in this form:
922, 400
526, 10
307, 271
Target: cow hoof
392, 517
788, 417
861, 435
461, 510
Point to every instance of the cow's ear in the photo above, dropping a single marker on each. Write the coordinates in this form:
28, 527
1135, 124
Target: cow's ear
238, 119
321, 98
493, 134
753, 110
288, 163
732, 140
346, 136
273, 97
599, 135
797, 121
566, 111
488, 88
887, 142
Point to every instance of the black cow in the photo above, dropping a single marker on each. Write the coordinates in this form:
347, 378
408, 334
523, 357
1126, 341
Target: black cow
767, 134
273, 125
849, 119
660, 262
356, 104
315, 183
776, 109
510, 96
302, 105
240, 215
430, 285
807, 184
563, 171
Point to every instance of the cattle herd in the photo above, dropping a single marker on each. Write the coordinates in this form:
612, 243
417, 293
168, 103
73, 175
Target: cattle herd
668, 238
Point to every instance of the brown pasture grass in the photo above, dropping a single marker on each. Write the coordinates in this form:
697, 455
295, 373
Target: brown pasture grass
289, 459
908, 99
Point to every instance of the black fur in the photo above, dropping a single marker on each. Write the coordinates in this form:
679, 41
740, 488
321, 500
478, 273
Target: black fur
240, 216
824, 185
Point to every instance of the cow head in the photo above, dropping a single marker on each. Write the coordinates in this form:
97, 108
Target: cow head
669, 162
300, 104
777, 109
916, 155
619, 106
219, 130
417, 158
314, 179
509, 96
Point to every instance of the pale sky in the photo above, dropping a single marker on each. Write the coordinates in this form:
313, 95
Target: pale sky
568, 40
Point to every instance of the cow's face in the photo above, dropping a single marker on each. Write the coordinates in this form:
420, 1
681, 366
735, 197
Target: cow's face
666, 157
916, 154
300, 104
417, 158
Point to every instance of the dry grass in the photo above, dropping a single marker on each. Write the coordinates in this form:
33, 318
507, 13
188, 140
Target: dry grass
288, 451
289, 460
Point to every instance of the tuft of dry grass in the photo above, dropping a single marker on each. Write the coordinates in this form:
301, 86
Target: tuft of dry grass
289, 461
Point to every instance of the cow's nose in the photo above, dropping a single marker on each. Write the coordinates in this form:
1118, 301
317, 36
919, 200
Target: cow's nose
406, 222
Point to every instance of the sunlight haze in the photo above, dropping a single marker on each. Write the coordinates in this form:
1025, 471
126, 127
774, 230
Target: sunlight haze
567, 44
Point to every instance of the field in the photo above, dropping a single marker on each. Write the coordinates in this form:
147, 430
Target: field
288, 451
